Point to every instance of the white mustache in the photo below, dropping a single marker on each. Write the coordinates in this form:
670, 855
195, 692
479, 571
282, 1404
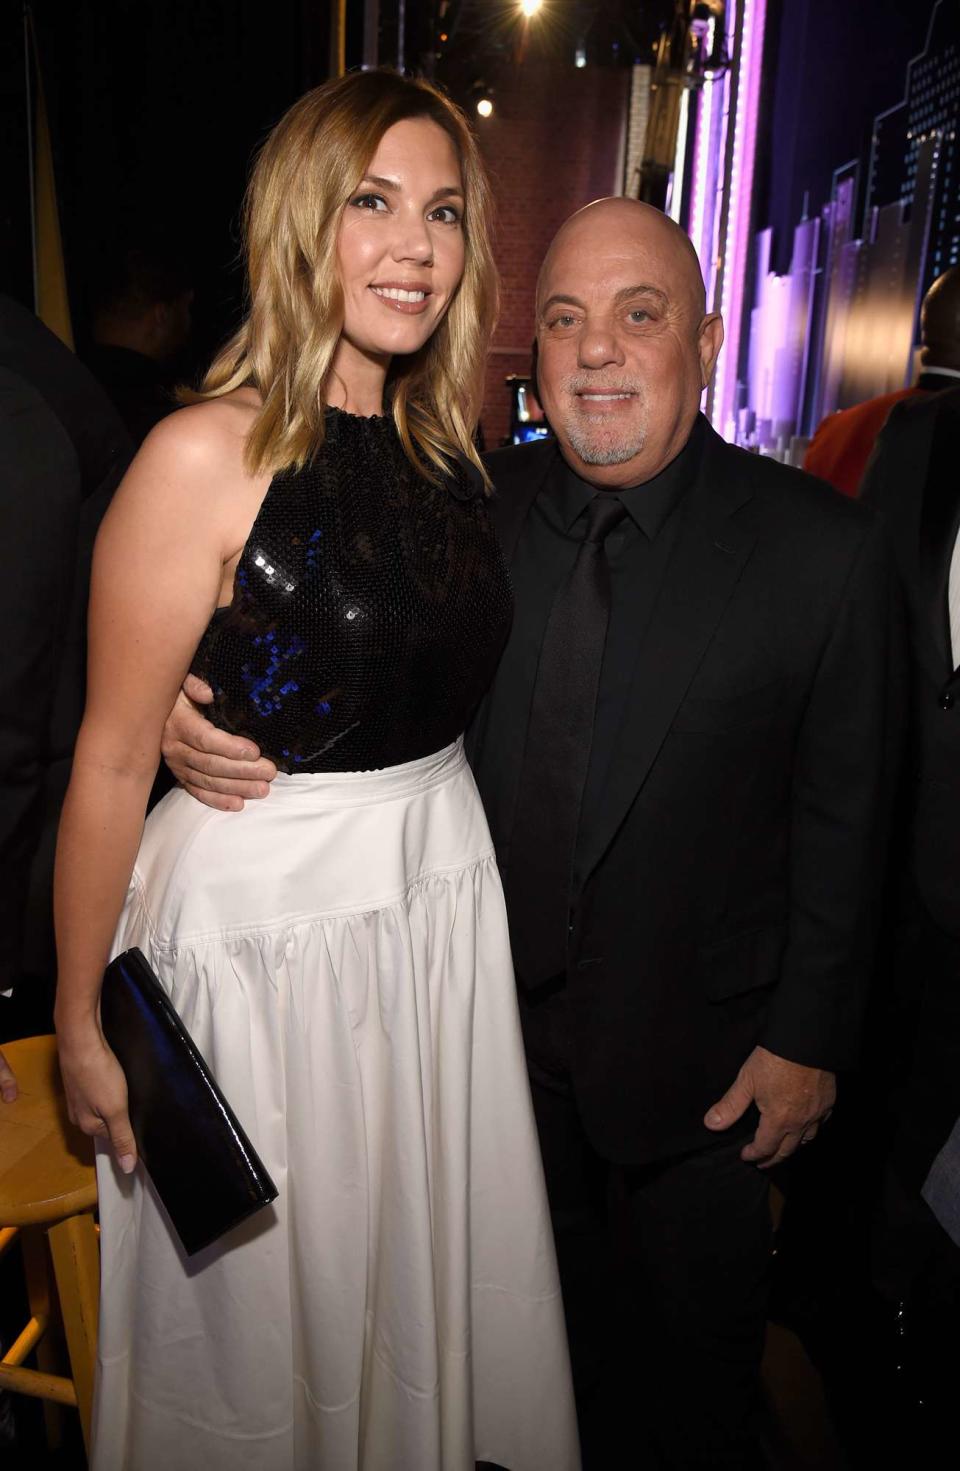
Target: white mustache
590, 385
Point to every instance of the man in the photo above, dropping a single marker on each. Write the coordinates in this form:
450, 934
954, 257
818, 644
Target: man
681, 759
913, 480
63, 450
841, 447
141, 324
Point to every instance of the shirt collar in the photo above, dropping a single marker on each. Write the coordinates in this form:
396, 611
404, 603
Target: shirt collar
649, 505
940, 372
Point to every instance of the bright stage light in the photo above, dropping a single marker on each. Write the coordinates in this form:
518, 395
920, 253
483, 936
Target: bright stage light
485, 107
530, 7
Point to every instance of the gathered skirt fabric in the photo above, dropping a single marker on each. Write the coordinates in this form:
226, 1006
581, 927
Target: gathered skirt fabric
339, 953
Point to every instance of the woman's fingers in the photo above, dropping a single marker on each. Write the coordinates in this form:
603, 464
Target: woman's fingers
122, 1141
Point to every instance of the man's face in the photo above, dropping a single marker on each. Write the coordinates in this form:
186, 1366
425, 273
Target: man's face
625, 349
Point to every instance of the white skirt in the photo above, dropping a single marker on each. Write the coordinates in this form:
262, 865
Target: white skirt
339, 953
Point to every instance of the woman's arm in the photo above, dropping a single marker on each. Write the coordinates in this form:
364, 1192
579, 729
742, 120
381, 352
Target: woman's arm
157, 573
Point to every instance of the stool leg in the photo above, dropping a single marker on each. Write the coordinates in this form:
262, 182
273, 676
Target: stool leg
76, 1265
43, 1304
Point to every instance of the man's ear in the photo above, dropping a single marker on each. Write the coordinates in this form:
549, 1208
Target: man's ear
709, 343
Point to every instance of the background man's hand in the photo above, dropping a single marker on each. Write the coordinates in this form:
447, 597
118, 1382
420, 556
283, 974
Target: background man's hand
793, 1101
219, 769
8, 1083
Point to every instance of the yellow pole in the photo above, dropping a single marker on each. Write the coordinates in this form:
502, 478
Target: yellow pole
338, 38
52, 301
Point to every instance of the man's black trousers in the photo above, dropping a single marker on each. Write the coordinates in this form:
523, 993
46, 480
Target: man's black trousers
664, 1271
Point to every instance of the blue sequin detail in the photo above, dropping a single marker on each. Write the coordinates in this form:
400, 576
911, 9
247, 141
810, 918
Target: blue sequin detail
313, 550
261, 687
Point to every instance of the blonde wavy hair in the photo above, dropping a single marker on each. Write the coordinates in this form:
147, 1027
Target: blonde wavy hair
304, 175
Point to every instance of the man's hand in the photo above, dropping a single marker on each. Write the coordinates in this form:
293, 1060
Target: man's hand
793, 1101
220, 770
8, 1083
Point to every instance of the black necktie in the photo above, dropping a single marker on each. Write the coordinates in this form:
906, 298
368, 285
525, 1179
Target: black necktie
557, 755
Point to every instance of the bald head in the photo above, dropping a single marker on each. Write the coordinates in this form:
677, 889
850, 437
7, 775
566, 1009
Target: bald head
625, 345
940, 322
629, 222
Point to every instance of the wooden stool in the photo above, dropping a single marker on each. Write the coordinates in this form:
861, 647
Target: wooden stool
48, 1186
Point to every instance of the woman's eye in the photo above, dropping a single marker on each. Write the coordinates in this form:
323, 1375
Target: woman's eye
445, 214
375, 202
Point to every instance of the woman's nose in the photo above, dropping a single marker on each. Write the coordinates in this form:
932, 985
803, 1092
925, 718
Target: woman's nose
412, 241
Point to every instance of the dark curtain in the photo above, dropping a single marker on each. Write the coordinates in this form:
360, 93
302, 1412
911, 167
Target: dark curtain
156, 110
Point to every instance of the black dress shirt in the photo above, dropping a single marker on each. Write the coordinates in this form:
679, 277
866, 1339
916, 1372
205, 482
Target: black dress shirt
638, 552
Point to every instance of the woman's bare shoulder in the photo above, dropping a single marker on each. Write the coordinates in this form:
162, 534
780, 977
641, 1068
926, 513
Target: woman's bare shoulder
204, 439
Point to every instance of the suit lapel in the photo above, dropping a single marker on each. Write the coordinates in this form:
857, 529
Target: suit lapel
933, 382
707, 563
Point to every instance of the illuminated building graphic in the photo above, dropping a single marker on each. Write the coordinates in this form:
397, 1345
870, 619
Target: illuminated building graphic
841, 326
929, 113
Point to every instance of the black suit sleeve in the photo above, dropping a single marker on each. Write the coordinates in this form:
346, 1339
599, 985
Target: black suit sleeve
844, 780
40, 491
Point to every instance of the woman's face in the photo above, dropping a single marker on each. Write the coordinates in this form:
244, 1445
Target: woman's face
401, 243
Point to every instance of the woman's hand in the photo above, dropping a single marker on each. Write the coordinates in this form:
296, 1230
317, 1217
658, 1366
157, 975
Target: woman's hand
96, 1092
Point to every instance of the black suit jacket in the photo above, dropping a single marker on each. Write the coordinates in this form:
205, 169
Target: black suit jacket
62, 451
730, 897
914, 479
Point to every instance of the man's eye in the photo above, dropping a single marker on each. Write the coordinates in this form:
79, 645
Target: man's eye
446, 214
375, 202
566, 320
639, 314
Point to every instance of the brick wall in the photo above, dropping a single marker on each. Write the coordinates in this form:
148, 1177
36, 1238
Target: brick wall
554, 142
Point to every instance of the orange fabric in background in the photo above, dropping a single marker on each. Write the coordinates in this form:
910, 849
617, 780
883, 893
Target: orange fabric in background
842, 445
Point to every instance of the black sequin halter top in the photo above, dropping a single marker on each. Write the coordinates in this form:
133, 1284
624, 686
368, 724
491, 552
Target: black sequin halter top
370, 608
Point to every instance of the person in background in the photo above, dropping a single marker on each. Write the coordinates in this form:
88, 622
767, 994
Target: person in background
63, 450
141, 326
841, 447
913, 479
682, 763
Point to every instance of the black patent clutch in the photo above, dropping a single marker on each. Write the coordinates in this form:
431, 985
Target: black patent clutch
204, 1168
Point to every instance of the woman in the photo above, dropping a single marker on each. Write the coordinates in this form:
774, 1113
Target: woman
339, 953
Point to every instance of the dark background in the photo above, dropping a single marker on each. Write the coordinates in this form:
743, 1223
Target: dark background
831, 66
156, 107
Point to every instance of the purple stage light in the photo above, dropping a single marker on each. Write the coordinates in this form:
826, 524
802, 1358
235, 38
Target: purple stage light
735, 246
